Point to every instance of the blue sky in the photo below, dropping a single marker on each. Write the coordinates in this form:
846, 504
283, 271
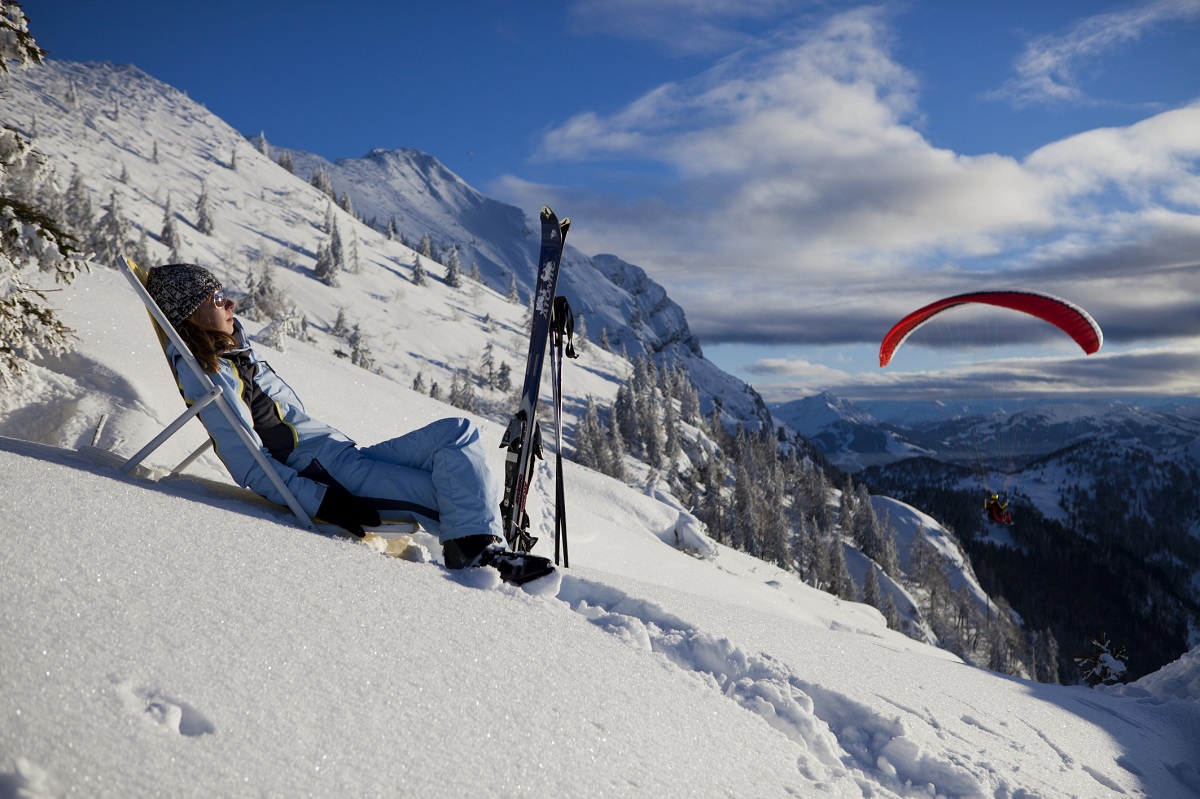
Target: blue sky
798, 174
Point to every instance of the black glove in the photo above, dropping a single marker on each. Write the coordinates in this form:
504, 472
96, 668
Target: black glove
347, 511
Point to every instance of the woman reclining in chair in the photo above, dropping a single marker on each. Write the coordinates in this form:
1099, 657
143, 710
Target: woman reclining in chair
437, 474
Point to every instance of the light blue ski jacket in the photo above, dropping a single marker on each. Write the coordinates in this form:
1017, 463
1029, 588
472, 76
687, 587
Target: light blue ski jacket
313, 438
437, 474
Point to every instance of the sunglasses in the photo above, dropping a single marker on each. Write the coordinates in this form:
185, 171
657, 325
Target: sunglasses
219, 298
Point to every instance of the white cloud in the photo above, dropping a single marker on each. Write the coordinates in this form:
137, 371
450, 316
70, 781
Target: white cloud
1048, 70
794, 171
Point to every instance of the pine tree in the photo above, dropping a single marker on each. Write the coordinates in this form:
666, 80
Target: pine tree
330, 222
285, 161
453, 268
353, 264
110, 238
170, 232
872, 594
419, 276
79, 213
425, 248
204, 213
265, 298
487, 365
504, 378
418, 384
29, 238
322, 180
1104, 664
589, 439
841, 584
16, 42
514, 294
326, 269
360, 349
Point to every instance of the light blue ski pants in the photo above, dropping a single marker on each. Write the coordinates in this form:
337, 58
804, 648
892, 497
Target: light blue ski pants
439, 472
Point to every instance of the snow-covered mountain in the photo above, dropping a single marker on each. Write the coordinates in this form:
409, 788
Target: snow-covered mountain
184, 639
855, 436
419, 197
144, 142
847, 434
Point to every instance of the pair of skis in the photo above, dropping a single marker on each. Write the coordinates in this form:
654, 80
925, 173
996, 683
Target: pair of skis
552, 323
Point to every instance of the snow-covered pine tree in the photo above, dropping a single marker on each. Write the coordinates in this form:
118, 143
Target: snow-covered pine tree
29, 238
16, 41
322, 180
453, 268
419, 275
1044, 656
871, 593
266, 299
360, 349
110, 239
590, 449
487, 365
204, 212
329, 222
79, 213
353, 264
504, 378
514, 293
170, 235
341, 328
425, 248
326, 269
841, 584
285, 161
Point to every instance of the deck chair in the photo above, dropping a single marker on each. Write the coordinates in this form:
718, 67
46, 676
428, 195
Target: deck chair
137, 276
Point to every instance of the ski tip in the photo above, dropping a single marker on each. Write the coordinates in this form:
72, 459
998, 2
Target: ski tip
565, 225
547, 213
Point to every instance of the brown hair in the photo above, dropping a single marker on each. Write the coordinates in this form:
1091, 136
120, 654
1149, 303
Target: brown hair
206, 345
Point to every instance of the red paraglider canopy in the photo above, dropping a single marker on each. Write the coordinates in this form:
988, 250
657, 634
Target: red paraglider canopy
1068, 317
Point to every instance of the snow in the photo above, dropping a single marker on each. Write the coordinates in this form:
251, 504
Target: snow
170, 636
161, 642
163, 636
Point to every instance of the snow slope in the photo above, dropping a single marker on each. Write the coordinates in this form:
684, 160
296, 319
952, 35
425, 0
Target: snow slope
160, 638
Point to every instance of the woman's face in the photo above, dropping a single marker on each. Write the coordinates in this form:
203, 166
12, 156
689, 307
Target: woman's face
215, 313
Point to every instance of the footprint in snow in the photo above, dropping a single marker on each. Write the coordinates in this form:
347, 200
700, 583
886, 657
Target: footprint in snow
165, 711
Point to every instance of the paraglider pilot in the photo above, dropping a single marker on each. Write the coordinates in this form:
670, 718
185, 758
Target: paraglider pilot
997, 510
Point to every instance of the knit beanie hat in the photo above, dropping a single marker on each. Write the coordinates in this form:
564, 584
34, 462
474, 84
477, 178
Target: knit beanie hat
180, 288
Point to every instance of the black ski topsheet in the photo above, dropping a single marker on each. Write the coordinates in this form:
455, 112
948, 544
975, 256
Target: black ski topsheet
523, 437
